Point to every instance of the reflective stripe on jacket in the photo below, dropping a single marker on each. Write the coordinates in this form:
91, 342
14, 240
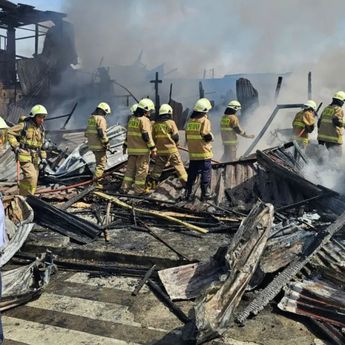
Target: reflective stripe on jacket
302, 119
29, 138
227, 125
137, 126
162, 136
96, 133
196, 129
328, 131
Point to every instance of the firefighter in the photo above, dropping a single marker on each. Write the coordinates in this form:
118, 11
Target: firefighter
139, 145
3, 133
166, 138
304, 123
331, 124
230, 128
27, 139
96, 134
199, 138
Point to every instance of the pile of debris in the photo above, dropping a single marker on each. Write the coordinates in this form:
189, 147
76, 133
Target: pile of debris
270, 236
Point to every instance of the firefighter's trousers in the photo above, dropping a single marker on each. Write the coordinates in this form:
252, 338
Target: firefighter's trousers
101, 163
335, 150
174, 160
137, 170
28, 184
203, 167
230, 152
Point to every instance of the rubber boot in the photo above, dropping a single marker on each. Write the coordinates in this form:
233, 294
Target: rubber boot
188, 194
206, 192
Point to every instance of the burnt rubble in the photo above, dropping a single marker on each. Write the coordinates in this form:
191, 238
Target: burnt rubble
269, 237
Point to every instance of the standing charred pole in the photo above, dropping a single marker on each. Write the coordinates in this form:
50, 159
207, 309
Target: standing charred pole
170, 93
11, 51
278, 87
201, 90
309, 86
156, 81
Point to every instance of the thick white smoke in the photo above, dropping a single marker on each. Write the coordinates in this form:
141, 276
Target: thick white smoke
231, 36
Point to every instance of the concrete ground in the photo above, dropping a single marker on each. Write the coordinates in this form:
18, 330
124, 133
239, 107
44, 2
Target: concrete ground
81, 309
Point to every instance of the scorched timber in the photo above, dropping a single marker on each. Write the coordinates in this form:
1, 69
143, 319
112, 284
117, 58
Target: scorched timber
215, 308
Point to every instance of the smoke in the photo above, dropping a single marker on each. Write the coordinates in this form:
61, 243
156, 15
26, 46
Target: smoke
230, 36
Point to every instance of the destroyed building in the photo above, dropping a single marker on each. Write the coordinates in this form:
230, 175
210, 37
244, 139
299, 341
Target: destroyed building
263, 262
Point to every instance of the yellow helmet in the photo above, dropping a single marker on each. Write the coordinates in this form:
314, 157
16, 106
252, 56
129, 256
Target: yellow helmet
3, 124
310, 104
133, 108
340, 95
105, 107
236, 105
38, 109
146, 104
165, 109
202, 105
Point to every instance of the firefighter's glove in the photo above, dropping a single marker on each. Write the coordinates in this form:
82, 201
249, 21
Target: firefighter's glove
153, 153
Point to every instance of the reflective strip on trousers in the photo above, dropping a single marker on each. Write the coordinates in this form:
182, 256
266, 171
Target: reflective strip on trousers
326, 121
131, 151
173, 150
230, 142
329, 138
134, 134
302, 140
127, 178
194, 137
139, 182
205, 155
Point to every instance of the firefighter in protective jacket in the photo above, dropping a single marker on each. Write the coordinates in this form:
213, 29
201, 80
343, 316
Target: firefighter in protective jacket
27, 139
139, 145
96, 134
331, 124
230, 129
166, 137
3, 134
199, 138
304, 123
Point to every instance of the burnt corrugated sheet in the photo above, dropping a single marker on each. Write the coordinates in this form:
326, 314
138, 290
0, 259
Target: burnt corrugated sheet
63, 222
317, 298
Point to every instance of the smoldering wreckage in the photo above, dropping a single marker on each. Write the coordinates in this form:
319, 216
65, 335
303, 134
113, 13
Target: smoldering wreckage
270, 238
282, 240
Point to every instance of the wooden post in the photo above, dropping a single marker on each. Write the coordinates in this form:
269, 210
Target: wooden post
156, 81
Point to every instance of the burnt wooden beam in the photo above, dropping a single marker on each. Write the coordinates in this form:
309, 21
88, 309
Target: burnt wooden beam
76, 198
164, 298
144, 280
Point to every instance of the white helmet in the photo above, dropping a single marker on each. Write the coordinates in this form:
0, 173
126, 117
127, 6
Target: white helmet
105, 107
165, 109
3, 124
340, 95
38, 109
235, 105
146, 104
133, 108
202, 105
310, 104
